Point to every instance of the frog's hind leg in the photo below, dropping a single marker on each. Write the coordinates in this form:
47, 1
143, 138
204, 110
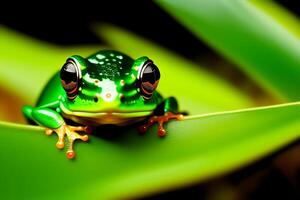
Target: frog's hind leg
164, 112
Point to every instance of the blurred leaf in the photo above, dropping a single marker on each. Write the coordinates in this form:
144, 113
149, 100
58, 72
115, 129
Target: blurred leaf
131, 165
10, 107
197, 90
280, 15
27, 64
267, 51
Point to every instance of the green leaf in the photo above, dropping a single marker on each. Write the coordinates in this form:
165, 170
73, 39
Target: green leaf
27, 64
131, 165
198, 91
260, 45
281, 15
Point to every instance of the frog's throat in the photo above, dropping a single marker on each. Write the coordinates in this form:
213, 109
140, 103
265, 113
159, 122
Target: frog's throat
131, 114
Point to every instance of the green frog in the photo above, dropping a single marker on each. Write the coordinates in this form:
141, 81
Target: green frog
107, 87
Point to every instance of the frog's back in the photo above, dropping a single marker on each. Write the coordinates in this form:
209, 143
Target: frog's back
110, 64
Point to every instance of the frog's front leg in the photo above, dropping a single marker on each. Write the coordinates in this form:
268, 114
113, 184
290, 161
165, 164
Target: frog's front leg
164, 112
54, 122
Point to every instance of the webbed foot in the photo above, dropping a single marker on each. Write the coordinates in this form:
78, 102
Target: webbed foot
160, 120
72, 135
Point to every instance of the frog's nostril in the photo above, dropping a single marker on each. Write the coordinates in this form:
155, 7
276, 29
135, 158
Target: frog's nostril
122, 98
96, 99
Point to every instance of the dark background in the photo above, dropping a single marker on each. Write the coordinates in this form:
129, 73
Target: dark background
67, 24
71, 24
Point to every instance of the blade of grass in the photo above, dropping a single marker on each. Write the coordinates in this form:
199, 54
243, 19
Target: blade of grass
261, 46
197, 90
130, 165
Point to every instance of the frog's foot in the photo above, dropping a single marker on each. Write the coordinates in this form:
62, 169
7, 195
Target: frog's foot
72, 135
160, 120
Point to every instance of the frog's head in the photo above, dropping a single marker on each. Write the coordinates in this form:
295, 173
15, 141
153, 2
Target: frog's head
109, 88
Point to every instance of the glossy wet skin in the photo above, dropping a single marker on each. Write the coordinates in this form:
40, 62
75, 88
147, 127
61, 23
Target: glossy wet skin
108, 87
108, 92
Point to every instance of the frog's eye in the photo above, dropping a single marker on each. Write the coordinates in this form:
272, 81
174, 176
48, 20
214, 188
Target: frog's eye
70, 78
148, 78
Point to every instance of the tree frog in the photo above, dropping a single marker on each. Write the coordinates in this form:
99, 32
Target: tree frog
107, 87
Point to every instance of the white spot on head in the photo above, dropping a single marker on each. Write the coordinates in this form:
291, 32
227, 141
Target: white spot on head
99, 56
114, 60
112, 55
106, 59
88, 78
120, 57
101, 63
94, 61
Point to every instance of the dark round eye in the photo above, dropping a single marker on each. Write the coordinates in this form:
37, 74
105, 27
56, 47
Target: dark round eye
70, 78
148, 77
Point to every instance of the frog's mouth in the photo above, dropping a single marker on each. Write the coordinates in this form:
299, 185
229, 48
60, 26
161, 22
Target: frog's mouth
105, 117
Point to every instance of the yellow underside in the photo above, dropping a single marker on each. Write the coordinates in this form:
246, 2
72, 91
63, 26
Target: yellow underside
104, 117
107, 118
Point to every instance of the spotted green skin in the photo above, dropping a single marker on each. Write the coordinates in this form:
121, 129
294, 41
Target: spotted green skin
108, 95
